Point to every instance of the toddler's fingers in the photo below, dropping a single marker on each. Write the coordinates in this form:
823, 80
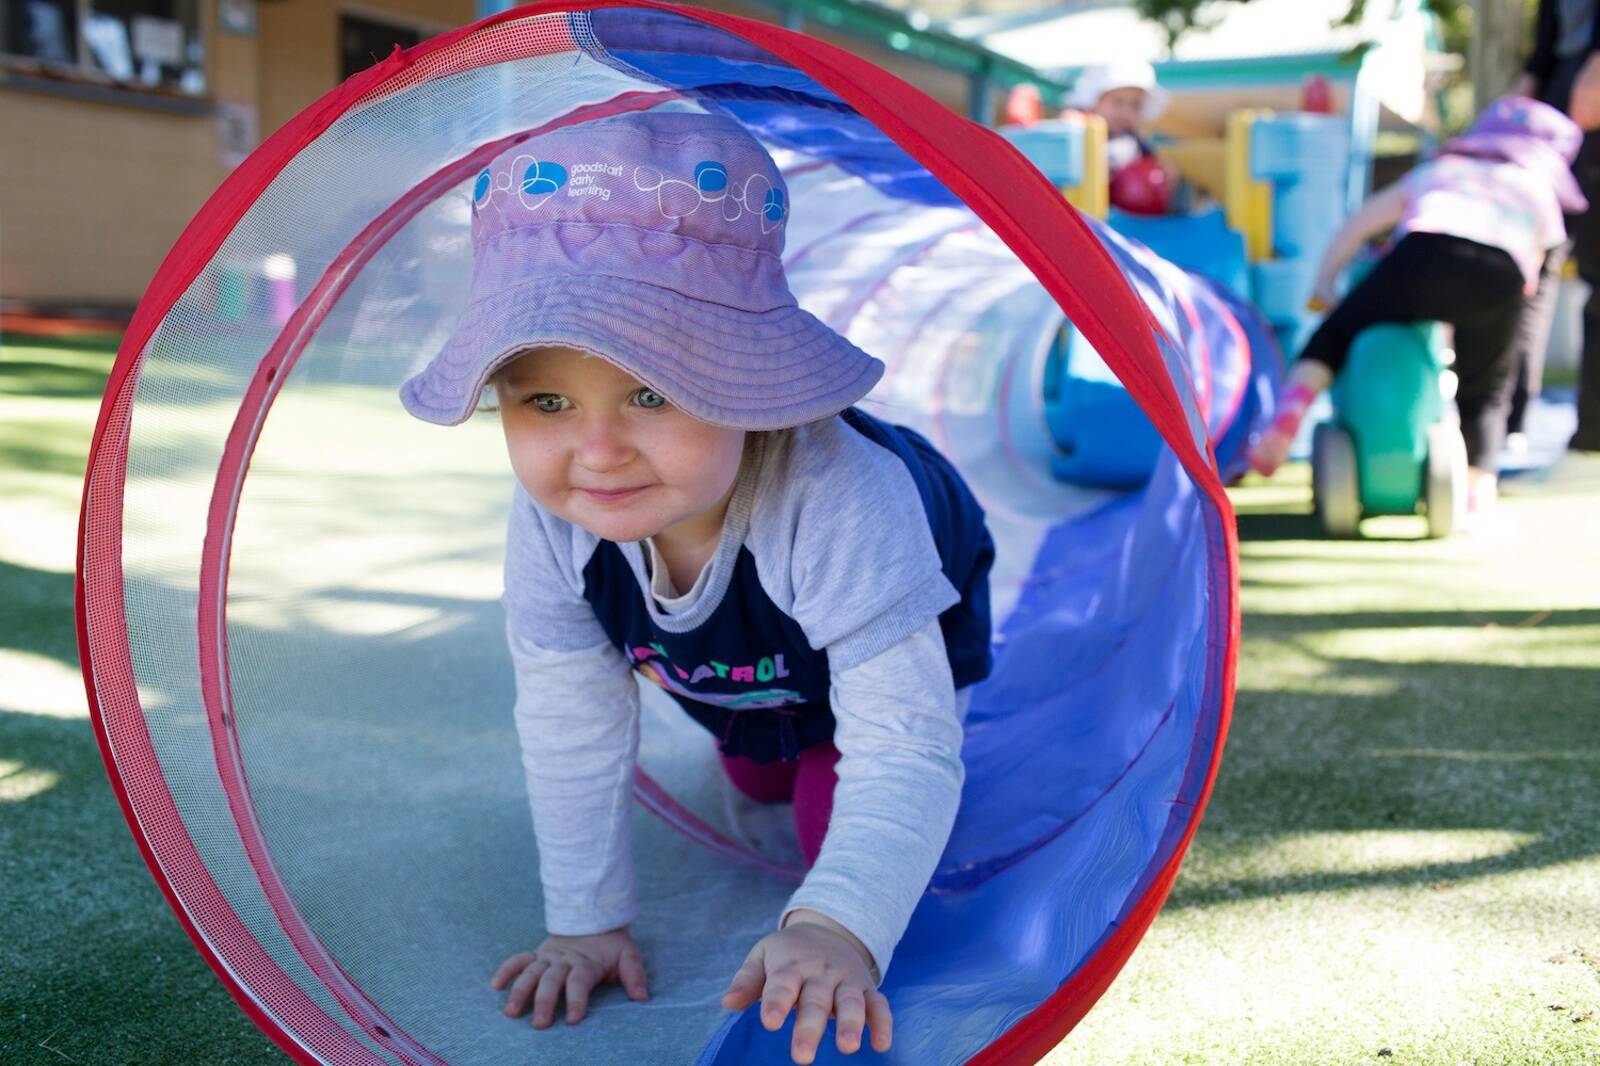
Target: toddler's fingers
879, 1020
549, 994
523, 986
745, 988
630, 969
777, 999
811, 1020
850, 1008
580, 982
509, 969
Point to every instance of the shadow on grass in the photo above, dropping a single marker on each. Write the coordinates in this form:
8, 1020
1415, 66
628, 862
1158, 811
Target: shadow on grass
64, 462
94, 959
38, 612
1280, 525
1442, 746
53, 379
1266, 624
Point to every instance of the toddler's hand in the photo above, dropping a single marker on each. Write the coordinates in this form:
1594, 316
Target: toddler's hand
575, 965
1322, 298
814, 967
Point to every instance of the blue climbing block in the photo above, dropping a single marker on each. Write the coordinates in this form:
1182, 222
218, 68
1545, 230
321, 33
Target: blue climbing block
1055, 147
1201, 242
1103, 439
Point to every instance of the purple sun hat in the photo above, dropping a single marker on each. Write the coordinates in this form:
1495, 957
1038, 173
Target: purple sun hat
1530, 134
653, 240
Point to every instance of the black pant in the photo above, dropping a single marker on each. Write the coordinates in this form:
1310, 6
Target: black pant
1433, 277
1533, 337
1583, 232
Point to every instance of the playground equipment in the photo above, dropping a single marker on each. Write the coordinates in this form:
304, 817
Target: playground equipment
1391, 446
1102, 438
287, 589
1283, 183
1141, 188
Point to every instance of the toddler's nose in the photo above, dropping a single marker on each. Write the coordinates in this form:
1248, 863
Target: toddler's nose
603, 446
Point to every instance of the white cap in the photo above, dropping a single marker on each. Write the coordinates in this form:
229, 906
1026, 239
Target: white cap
1097, 79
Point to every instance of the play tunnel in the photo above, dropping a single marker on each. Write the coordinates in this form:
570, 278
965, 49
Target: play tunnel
288, 587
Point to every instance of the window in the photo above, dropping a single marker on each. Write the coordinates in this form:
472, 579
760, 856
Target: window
152, 44
364, 41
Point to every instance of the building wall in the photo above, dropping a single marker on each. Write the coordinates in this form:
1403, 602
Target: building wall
95, 191
300, 44
93, 194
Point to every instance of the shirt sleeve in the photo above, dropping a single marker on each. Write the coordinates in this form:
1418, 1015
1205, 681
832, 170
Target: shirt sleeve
900, 773
861, 571
577, 715
543, 599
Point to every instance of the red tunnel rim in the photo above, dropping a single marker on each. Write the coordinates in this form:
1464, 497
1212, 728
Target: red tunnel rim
1036, 1032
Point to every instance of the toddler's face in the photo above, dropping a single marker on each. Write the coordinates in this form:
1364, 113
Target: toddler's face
1122, 109
595, 446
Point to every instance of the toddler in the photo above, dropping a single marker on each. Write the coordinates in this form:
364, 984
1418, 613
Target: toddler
1125, 94
1472, 226
700, 504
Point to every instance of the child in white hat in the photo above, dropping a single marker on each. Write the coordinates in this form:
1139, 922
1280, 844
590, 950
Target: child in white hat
1124, 93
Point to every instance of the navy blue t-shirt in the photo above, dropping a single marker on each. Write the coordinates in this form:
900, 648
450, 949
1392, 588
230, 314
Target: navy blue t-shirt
842, 538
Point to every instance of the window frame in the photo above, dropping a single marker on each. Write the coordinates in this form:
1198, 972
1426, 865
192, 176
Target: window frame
424, 28
82, 77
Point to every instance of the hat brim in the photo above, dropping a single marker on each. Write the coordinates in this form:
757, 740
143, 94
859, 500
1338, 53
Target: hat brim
1155, 103
753, 370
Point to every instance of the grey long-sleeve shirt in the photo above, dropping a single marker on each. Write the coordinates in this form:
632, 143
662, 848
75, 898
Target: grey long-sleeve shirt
897, 724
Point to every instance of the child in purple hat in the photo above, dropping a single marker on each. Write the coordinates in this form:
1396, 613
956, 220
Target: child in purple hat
1472, 226
700, 504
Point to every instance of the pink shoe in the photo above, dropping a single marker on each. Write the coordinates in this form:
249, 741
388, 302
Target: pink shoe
1270, 452
1273, 447
1483, 493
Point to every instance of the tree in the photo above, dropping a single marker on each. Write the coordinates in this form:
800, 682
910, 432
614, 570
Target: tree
1494, 52
1178, 17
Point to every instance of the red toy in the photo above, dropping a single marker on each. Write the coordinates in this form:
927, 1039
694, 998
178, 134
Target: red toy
1141, 188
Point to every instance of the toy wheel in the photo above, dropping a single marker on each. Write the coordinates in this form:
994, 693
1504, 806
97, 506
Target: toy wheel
1444, 490
1335, 483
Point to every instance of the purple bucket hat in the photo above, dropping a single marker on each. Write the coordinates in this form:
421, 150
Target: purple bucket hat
653, 240
1530, 134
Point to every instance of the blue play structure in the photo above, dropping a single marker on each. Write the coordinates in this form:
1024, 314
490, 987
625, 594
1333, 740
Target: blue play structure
1307, 161
1281, 133
1391, 447
1229, 352
1288, 196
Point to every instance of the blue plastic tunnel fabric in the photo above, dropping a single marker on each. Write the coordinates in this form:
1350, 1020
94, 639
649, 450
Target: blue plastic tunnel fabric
287, 587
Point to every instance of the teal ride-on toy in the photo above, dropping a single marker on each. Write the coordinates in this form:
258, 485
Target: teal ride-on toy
1391, 446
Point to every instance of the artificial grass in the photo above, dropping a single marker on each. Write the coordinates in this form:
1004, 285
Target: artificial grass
94, 968
1399, 863
1401, 860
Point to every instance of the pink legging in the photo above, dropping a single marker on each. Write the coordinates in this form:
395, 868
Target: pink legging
808, 781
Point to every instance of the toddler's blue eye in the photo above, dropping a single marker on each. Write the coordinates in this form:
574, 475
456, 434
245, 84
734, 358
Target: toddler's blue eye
549, 403
649, 398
